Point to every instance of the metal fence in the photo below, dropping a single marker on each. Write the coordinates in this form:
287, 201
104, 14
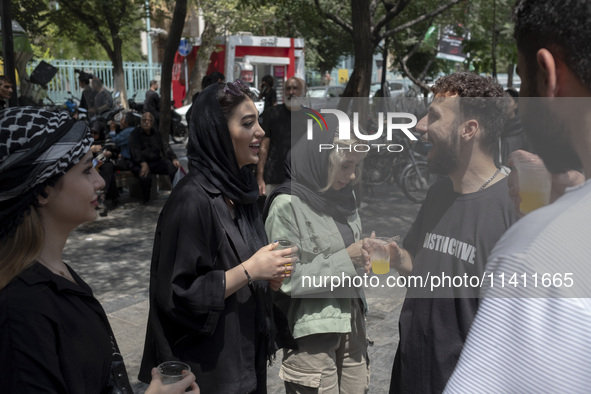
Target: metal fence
65, 83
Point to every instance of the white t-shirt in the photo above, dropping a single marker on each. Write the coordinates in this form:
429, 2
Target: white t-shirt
537, 337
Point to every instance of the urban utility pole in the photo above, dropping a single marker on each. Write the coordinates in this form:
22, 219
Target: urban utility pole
8, 48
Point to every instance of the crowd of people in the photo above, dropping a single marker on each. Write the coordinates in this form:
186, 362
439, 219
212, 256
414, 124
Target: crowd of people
224, 294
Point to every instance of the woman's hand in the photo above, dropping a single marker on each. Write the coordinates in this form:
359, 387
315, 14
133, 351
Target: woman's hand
359, 256
156, 386
355, 252
400, 259
268, 263
275, 284
96, 148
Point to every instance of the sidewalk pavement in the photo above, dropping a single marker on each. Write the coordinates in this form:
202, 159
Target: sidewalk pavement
112, 254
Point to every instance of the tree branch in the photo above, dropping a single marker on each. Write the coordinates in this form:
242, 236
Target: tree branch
92, 23
373, 6
392, 11
404, 60
421, 18
335, 18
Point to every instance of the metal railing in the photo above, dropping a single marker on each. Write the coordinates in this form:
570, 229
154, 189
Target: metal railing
137, 77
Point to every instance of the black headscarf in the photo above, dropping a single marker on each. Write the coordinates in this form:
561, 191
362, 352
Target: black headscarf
211, 152
306, 170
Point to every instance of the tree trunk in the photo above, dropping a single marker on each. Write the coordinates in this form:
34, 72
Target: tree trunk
202, 61
118, 72
172, 44
494, 41
358, 85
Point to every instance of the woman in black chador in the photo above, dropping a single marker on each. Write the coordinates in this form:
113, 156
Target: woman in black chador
212, 270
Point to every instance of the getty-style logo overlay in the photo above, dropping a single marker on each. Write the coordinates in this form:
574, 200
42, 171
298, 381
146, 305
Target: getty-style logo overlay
345, 124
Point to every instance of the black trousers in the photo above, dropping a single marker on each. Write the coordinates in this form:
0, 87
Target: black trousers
161, 167
107, 172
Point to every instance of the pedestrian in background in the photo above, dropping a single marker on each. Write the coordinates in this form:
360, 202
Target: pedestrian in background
150, 155
5, 91
284, 125
54, 335
152, 102
88, 93
103, 101
267, 92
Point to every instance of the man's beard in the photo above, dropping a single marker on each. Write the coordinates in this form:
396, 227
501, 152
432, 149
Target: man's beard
291, 102
445, 159
548, 135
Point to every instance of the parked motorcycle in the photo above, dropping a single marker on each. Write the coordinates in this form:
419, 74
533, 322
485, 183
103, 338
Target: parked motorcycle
178, 130
135, 106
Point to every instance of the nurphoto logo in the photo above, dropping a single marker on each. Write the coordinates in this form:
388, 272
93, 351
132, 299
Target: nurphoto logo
344, 127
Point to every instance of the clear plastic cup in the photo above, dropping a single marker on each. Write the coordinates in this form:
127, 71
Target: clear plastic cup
286, 244
173, 371
380, 254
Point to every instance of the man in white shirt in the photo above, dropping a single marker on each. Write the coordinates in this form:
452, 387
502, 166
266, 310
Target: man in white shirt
531, 332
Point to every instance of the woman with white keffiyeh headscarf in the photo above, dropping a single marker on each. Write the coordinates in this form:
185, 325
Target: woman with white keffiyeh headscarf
54, 335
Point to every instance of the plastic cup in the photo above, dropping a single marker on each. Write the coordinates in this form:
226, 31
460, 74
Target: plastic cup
285, 244
535, 183
380, 255
173, 371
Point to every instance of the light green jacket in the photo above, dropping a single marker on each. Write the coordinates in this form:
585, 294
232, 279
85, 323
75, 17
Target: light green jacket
310, 299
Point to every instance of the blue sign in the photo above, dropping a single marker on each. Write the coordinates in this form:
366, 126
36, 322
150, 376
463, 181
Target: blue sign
185, 47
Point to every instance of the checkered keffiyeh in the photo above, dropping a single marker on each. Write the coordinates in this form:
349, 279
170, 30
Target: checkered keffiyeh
35, 146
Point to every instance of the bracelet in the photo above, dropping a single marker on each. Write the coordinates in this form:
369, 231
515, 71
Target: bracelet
247, 275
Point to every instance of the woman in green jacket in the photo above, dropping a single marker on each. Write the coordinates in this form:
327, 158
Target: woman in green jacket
316, 208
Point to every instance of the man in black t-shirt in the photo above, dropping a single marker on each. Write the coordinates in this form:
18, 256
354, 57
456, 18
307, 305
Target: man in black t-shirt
457, 226
280, 136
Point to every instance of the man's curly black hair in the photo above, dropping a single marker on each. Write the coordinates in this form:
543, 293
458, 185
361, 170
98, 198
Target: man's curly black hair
561, 26
481, 98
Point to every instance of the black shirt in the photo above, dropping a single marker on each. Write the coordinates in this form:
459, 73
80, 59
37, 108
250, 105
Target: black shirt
452, 234
269, 95
148, 147
152, 103
54, 336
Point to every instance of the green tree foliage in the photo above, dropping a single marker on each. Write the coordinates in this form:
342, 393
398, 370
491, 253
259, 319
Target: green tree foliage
363, 24
415, 48
50, 40
324, 40
491, 44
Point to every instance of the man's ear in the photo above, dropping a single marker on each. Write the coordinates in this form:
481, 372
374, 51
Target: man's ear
469, 130
547, 77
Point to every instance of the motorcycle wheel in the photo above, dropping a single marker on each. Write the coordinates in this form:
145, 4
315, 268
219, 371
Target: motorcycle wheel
179, 132
416, 180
